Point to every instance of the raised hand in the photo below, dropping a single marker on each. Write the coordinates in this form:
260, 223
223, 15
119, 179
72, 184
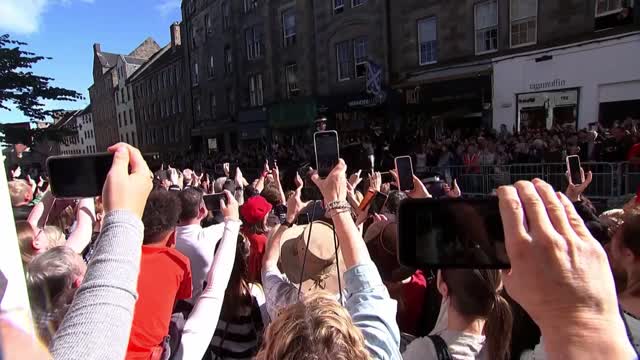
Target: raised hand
295, 203
334, 186
574, 192
419, 190
454, 192
375, 181
231, 210
123, 190
355, 179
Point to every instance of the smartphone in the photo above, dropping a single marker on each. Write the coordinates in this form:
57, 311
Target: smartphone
280, 211
377, 203
451, 233
573, 166
78, 176
404, 169
212, 202
386, 177
327, 153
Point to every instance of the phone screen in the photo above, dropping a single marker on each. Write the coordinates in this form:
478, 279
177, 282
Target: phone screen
78, 176
327, 154
404, 170
378, 203
573, 164
451, 233
212, 202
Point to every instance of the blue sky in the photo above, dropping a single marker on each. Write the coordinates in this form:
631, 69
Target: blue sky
66, 30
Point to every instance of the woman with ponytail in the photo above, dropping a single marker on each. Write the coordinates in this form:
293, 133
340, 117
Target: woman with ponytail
474, 322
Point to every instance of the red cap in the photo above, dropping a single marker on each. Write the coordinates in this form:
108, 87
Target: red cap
254, 210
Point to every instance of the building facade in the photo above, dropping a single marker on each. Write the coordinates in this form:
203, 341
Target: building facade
102, 91
125, 66
86, 131
443, 54
160, 92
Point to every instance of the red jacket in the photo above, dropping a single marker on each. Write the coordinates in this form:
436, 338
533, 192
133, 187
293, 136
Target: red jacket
258, 243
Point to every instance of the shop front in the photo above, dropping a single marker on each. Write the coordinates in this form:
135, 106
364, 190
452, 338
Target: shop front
448, 98
252, 127
292, 122
571, 86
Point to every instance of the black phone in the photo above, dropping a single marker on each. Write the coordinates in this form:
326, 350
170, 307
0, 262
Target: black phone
573, 166
404, 169
327, 153
386, 177
377, 203
78, 176
212, 202
451, 233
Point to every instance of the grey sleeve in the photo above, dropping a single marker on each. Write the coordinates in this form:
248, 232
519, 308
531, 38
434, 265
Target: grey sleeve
98, 324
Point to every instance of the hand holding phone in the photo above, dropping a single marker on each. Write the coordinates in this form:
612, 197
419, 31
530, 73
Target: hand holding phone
404, 170
327, 152
214, 202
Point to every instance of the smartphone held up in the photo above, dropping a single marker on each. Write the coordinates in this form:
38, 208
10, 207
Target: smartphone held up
574, 169
327, 151
78, 176
451, 233
404, 170
212, 202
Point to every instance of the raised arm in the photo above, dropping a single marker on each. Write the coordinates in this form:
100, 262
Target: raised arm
85, 219
98, 324
201, 325
372, 309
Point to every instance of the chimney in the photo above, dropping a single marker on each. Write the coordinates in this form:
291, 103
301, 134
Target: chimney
96, 48
175, 34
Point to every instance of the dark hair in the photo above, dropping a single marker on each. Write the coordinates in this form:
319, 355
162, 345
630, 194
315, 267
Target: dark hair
271, 194
190, 200
238, 295
394, 199
161, 215
476, 293
630, 231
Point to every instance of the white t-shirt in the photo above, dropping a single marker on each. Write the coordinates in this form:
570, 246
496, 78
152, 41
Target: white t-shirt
198, 244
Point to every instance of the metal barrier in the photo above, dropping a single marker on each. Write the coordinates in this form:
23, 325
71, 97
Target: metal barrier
482, 180
631, 177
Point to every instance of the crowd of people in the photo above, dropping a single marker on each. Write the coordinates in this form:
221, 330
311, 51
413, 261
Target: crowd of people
149, 270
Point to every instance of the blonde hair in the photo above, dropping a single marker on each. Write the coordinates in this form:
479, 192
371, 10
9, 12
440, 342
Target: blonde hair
318, 328
18, 191
55, 235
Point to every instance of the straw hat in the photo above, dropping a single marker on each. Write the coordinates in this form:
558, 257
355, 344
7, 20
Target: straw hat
320, 270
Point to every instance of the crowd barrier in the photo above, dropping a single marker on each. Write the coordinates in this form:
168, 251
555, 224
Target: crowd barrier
610, 180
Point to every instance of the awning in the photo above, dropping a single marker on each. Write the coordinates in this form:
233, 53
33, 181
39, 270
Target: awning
293, 114
447, 73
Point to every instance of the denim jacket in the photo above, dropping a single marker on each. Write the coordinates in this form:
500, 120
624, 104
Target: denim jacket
373, 311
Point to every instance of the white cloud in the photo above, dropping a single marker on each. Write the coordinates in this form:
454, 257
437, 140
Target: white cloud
167, 7
24, 16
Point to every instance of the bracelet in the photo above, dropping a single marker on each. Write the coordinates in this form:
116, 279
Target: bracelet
337, 204
333, 212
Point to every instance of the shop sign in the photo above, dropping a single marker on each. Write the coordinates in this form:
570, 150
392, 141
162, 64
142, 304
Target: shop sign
213, 143
544, 85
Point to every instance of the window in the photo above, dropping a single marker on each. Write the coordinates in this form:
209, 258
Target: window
355, 3
211, 66
127, 136
194, 43
338, 6
164, 79
343, 54
228, 67
119, 120
122, 94
291, 77
124, 117
253, 39
129, 93
195, 74
208, 24
173, 76
428, 40
131, 116
486, 23
196, 106
256, 93
214, 105
289, 27
360, 55
250, 5
226, 15
174, 105
230, 101
524, 18
608, 7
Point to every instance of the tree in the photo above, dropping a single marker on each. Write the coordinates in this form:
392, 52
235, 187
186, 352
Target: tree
27, 91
